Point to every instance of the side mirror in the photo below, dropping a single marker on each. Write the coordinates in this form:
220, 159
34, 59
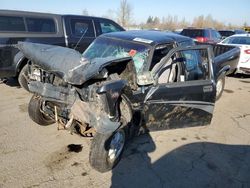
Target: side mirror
145, 78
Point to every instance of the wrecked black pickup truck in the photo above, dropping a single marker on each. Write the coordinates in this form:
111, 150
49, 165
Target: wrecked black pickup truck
124, 84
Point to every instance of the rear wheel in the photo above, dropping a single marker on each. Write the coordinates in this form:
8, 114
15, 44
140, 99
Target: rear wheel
106, 149
22, 77
220, 87
36, 113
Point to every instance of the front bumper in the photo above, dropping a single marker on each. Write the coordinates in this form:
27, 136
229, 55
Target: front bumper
53, 93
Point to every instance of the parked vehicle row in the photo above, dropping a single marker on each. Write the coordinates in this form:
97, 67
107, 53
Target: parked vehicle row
211, 36
228, 33
71, 31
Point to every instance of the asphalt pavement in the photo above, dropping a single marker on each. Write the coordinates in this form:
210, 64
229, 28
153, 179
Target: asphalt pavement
217, 155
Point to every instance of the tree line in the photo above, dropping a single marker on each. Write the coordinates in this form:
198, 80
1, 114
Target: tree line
124, 16
173, 23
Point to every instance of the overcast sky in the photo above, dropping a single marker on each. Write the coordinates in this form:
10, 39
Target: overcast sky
227, 11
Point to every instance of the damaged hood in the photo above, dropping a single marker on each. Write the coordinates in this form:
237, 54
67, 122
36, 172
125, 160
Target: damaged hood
66, 63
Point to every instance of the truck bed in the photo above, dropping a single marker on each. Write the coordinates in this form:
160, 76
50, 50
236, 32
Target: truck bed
224, 55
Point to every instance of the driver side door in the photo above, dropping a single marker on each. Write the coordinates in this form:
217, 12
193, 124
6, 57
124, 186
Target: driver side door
184, 95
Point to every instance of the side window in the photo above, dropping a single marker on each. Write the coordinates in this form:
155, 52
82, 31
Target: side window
196, 66
171, 71
159, 52
81, 27
107, 27
218, 35
10, 23
41, 25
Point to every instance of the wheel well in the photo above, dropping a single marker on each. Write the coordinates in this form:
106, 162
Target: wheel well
22, 63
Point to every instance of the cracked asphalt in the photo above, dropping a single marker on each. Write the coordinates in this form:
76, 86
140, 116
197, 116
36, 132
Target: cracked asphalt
217, 155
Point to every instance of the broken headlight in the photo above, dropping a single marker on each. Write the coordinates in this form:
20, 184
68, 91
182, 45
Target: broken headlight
35, 74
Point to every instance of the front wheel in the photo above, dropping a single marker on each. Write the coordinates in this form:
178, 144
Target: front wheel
36, 113
220, 87
106, 150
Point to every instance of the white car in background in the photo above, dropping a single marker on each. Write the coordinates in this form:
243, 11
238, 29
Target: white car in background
242, 41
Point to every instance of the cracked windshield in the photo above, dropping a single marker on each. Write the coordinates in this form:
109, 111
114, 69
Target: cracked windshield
118, 49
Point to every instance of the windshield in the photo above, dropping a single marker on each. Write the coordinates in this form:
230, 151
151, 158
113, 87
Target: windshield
237, 40
107, 47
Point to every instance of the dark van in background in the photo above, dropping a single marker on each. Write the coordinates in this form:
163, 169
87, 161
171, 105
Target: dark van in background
71, 31
205, 35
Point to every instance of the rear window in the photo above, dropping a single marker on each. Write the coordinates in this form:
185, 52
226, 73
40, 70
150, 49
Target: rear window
10, 23
193, 33
41, 25
108, 27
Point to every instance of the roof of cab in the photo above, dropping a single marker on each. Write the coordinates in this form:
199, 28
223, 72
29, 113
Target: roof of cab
148, 37
6, 12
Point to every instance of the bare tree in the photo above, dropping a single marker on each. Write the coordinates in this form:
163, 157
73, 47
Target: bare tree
85, 12
124, 13
199, 21
170, 22
110, 14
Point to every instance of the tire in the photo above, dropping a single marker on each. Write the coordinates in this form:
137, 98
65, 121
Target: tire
34, 110
22, 78
106, 149
220, 84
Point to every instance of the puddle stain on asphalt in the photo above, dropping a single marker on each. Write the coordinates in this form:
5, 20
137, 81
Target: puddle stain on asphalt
75, 148
23, 108
228, 91
59, 159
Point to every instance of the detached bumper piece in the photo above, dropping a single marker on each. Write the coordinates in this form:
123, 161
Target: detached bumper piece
53, 93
